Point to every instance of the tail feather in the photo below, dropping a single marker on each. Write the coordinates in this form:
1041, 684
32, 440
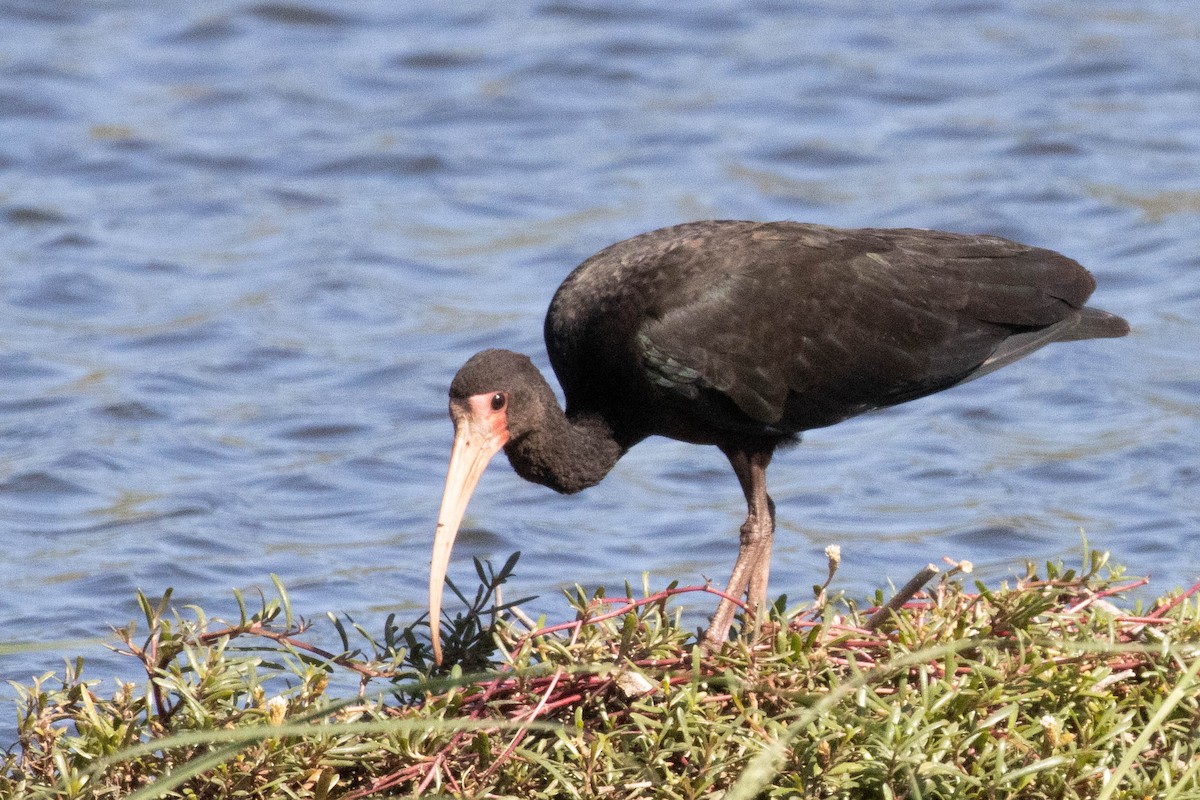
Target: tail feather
1095, 324
1087, 323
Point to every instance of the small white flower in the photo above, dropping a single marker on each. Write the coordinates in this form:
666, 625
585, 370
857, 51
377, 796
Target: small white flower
834, 554
1050, 725
276, 710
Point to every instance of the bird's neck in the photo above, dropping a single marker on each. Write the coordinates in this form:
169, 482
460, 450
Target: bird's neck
567, 455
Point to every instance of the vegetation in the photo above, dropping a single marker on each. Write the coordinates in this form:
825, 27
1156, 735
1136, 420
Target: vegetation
1043, 689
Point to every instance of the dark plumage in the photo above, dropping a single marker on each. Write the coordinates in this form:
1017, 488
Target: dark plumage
742, 335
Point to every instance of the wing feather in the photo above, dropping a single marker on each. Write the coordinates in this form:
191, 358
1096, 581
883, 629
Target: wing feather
801, 326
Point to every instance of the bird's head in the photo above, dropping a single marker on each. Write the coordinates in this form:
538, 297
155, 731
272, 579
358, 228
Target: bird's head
480, 396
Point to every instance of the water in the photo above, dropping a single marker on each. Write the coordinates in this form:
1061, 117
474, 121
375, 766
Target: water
245, 246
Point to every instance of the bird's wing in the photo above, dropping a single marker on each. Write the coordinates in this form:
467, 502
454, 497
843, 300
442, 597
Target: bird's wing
802, 331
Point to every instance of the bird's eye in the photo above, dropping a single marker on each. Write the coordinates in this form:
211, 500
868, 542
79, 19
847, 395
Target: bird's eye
498, 401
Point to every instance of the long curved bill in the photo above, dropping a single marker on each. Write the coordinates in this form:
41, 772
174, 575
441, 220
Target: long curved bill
479, 433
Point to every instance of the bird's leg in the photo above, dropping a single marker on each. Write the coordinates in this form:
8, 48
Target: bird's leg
753, 564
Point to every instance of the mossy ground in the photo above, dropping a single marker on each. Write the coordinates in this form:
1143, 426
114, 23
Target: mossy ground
1048, 688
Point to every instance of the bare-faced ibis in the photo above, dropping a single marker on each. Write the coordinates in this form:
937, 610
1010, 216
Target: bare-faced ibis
742, 335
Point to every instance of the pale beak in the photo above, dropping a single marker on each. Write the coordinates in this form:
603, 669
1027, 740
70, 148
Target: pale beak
479, 432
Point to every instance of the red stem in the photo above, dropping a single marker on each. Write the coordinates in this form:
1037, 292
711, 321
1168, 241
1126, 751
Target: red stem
1158, 612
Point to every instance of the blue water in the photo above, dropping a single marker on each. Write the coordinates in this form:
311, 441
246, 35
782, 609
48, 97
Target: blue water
245, 246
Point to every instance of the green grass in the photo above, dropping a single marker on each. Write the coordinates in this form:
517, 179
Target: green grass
1049, 688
